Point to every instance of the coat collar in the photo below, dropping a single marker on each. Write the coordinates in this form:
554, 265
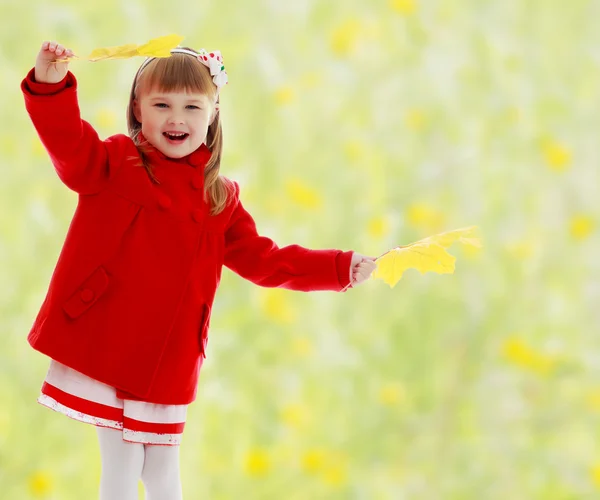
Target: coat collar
198, 158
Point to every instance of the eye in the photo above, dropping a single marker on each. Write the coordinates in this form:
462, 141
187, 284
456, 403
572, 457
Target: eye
191, 106
160, 105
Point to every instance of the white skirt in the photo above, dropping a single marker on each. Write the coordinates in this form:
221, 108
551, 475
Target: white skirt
85, 399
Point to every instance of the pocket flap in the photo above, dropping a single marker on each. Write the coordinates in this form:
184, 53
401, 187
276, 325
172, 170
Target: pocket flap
87, 293
204, 325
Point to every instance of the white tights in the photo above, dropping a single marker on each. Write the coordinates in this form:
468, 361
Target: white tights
123, 464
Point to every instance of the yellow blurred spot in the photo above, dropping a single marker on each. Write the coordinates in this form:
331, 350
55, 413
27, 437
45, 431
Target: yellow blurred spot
284, 95
273, 202
593, 400
415, 119
392, 394
581, 227
595, 474
276, 305
5, 423
471, 251
303, 195
311, 80
40, 191
397, 472
378, 227
520, 250
425, 216
471, 248
106, 118
215, 463
331, 467
516, 350
257, 463
354, 150
405, 7
520, 354
543, 365
335, 474
8, 146
373, 29
295, 415
513, 114
343, 38
38, 149
557, 156
313, 461
301, 346
40, 483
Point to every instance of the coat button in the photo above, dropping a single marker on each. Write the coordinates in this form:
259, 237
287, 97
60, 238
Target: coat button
87, 295
164, 202
197, 181
197, 215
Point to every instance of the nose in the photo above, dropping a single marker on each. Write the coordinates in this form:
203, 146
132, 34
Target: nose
175, 118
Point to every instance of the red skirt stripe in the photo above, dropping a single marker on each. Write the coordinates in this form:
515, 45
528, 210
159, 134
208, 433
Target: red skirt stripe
138, 425
82, 405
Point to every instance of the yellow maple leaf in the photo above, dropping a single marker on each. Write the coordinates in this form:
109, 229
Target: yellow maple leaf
160, 47
120, 52
157, 47
428, 254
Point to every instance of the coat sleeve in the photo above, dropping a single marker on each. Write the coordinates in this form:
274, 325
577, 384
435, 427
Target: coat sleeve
259, 259
82, 161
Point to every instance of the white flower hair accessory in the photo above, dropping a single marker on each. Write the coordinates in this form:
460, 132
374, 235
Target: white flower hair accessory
214, 62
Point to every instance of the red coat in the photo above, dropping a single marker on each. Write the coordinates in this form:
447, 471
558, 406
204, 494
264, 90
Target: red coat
130, 299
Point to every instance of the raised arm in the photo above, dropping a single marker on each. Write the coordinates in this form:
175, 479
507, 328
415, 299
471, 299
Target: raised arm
82, 161
258, 259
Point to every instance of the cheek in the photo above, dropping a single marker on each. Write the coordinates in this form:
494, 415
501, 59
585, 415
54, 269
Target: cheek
150, 120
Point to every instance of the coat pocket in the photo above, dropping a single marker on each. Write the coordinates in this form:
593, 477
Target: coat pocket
203, 333
87, 293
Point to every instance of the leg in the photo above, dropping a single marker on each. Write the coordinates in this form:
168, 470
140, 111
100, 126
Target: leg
122, 465
161, 473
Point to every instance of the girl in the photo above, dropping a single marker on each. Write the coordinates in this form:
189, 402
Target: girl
126, 317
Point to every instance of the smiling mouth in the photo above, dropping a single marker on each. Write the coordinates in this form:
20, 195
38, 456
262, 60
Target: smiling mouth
176, 137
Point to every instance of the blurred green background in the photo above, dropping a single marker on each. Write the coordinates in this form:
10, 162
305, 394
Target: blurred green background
363, 126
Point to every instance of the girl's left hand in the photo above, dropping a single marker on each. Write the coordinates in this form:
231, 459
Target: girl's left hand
361, 268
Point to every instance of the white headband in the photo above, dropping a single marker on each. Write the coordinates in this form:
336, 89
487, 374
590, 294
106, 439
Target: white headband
212, 60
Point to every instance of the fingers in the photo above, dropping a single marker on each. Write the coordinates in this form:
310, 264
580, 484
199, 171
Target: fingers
366, 265
363, 271
362, 268
57, 49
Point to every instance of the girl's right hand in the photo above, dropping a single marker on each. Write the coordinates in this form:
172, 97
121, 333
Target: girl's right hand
47, 70
361, 268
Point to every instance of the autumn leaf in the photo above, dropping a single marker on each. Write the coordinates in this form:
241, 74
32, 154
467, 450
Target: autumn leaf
160, 47
157, 47
120, 52
428, 254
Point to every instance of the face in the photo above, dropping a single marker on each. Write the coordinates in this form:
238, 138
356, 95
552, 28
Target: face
175, 123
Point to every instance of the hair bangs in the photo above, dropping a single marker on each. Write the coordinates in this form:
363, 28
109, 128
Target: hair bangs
177, 73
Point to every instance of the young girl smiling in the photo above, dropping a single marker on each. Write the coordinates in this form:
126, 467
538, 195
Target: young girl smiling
126, 317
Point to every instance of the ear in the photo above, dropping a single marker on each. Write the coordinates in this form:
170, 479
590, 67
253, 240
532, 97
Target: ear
137, 111
214, 114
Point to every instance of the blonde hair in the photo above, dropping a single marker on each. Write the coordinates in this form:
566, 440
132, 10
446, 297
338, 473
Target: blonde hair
182, 72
